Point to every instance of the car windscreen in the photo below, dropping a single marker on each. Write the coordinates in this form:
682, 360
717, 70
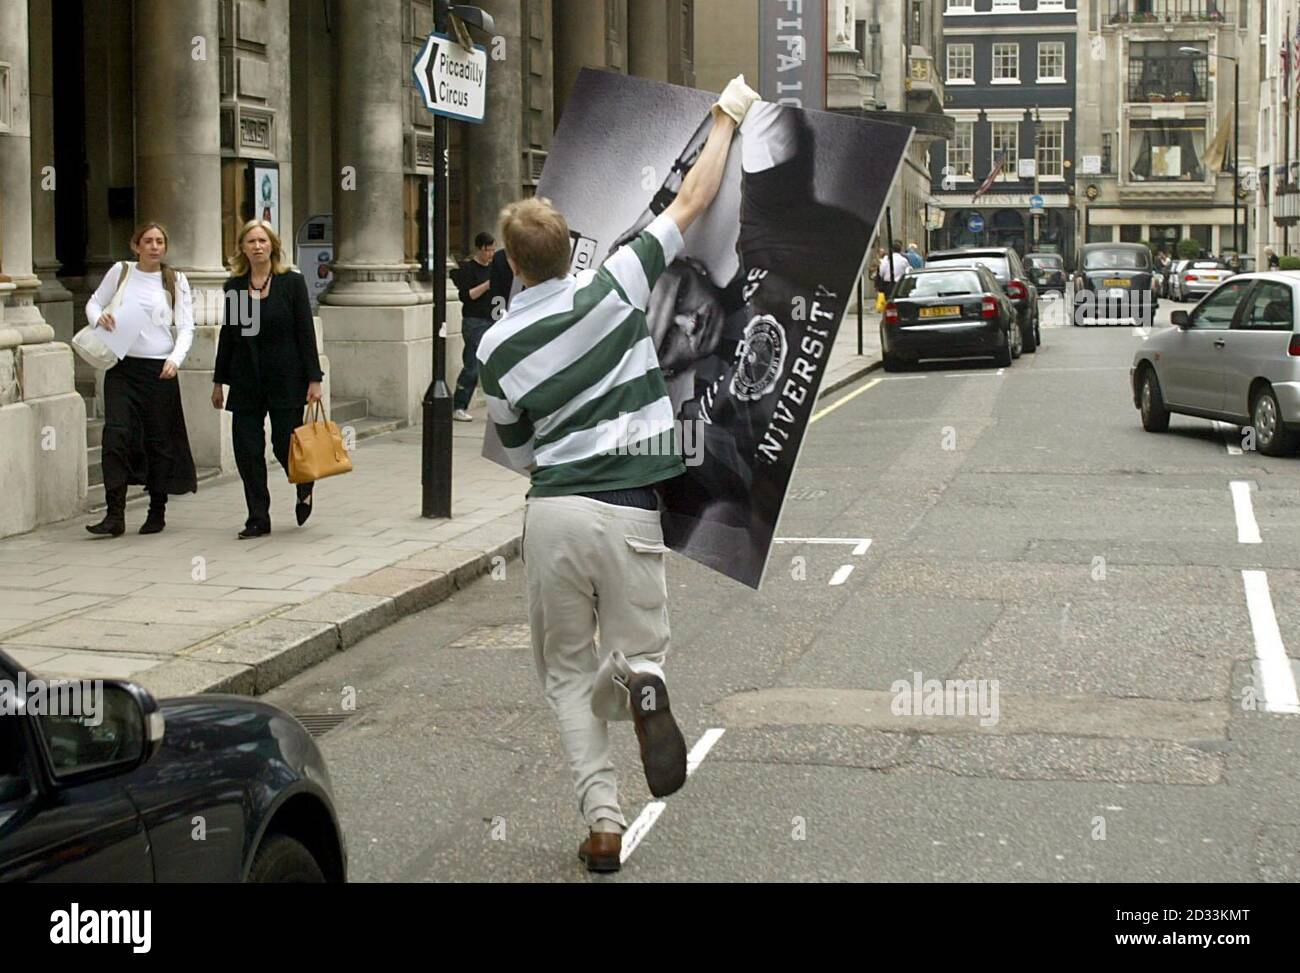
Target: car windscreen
997, 265
1047, 263
955, 284
1116, 260
1207, 265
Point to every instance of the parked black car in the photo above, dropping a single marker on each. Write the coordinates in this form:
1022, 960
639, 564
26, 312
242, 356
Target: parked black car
1014, 279
1048, 271
1115, 285
194, 789
944, 312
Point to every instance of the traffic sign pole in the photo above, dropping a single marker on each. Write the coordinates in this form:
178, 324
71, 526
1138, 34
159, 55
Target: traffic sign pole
436, 441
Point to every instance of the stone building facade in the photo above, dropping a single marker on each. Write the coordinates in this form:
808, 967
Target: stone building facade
1159, 124
202, 113
1277, 197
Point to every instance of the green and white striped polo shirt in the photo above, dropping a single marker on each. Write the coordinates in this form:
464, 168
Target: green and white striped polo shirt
572, 379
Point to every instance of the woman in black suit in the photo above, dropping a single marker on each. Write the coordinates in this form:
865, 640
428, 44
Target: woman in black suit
266, 353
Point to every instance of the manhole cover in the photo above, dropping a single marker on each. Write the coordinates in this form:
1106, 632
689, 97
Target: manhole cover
318, 724
513, 636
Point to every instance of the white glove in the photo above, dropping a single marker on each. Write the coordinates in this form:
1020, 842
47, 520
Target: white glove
736, 99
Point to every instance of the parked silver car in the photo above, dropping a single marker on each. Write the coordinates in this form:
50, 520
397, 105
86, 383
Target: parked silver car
1199, 277
1234, 357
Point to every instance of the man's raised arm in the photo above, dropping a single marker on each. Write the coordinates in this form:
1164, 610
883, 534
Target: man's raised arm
701, 184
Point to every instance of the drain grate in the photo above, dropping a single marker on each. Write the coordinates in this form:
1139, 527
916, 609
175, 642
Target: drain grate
318, 724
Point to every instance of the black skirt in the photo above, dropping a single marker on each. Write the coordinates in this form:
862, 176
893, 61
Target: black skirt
145, 441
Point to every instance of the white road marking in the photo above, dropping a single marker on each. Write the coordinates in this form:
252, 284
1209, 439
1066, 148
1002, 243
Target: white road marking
1000, 371
1276, 677
640, 827
1228, 432
905, 378
702, 748
973, 374
860, 544
848, 398
1247, 528
841, 574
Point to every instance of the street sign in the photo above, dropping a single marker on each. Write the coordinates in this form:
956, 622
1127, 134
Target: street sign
1027, 168
452, 80
976, 223
1035, 204
1090, 165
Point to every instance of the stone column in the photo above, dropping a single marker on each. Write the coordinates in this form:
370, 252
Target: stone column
495, 149
42, 418
53, 299
16, 168
647, 39
377, 335
178, 183
370, 266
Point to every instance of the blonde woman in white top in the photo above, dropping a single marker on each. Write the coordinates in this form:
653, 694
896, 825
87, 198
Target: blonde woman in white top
145, 441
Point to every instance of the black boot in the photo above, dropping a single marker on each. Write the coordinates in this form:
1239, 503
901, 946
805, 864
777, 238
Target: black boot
114, 522
303, 509
157, 519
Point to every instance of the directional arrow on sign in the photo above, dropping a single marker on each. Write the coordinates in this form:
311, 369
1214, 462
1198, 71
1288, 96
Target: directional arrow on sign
452, 80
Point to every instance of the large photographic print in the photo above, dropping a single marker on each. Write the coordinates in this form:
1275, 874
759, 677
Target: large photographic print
745, 318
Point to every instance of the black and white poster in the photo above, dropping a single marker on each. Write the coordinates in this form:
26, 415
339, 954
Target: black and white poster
745, 318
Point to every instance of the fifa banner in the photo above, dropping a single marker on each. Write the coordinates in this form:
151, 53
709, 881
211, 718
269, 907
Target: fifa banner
745, 318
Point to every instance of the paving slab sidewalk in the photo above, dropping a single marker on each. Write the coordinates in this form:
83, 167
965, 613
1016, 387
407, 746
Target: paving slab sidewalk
194, 609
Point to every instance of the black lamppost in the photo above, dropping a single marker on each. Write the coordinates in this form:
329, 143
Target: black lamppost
1236, 139
436, 437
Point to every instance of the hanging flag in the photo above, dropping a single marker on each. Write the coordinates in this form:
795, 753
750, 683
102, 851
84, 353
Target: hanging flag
992, 177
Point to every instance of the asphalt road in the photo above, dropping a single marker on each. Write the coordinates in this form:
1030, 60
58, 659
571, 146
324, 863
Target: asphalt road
1026, 536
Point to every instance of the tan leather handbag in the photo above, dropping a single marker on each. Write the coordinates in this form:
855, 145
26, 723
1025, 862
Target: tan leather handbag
316, 448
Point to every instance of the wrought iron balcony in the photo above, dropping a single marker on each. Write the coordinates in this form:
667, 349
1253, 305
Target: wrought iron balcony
1169, 11
1167, 78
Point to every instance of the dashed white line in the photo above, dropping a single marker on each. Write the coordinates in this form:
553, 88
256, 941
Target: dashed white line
860, 544
640, 827
1247, 528
1228, 432
1275, 675
842, 574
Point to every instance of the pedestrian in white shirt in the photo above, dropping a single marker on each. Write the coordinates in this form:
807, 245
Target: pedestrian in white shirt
894, 269
145, 441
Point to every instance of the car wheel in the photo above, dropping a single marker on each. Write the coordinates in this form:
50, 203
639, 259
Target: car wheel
282, 859
1272, 438
1002, 357
1155, 417
1029, 341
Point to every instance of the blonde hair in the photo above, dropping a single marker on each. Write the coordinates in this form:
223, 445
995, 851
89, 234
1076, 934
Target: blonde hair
168, 275
239, 261
536, 238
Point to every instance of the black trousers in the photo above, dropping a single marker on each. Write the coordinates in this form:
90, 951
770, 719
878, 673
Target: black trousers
247, 432
144, 431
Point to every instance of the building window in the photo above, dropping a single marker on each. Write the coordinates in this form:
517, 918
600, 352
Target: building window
1130, 233
1051, 150
1006, 143
1000, 6
961, 155
1106, 143
1051, 61
959, 6
1006, 62
961, 62
1166, 150
1157, 71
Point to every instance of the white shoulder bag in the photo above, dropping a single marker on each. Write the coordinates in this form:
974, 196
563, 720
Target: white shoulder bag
88, 342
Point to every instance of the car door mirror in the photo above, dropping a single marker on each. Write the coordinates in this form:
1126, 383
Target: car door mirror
92, 728
1178, 319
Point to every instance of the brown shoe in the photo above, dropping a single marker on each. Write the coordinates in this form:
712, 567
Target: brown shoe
601, 851
663, 750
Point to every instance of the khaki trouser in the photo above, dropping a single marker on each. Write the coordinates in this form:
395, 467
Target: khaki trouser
593, 564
